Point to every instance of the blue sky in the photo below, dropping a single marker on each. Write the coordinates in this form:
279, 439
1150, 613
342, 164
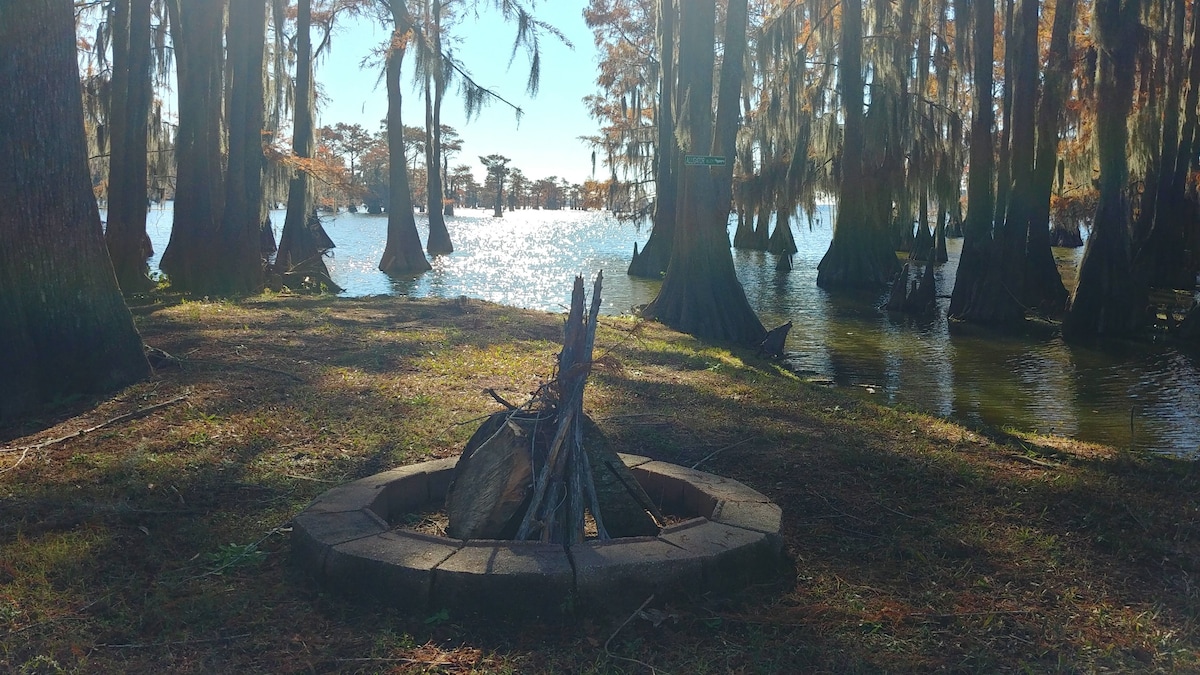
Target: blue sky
543, 143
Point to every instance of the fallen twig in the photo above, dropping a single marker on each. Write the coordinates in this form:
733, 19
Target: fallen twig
142, 412
718, 451
315, 480
171, 643
393, 659
624, 623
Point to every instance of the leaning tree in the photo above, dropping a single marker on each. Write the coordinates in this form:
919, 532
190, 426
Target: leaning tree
64, 329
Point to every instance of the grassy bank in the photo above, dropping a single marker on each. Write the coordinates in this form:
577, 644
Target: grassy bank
156, 540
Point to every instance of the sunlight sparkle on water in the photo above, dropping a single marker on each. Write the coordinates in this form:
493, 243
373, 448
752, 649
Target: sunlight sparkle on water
1146, 397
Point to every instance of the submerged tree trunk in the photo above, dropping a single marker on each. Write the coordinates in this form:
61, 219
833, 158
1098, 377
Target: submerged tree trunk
860, 254
977, 227
1109, 300
64, 328
701, 293
652, 261
402, 254
129, 118
300, 243
995, 297
439, 237
782, 241
1043, 284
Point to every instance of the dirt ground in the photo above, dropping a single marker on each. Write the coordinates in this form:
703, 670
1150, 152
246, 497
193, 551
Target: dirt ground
147, 531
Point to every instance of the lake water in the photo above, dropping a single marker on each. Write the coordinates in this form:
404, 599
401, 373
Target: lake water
1139, 395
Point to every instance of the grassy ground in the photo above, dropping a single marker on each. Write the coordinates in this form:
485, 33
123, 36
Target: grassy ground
158, 542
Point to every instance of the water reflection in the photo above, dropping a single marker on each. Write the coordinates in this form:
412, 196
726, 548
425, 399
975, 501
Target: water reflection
1036, 382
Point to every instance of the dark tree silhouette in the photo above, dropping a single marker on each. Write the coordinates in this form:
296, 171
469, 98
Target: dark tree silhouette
1108, 299
129, 123
214, 246
860, 253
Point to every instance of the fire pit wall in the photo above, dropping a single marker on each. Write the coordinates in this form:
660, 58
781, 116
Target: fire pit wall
348, 540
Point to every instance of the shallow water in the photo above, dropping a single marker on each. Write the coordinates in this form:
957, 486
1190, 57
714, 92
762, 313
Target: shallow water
1144, 396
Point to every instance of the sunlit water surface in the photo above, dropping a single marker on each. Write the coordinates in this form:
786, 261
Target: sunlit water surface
1145, 396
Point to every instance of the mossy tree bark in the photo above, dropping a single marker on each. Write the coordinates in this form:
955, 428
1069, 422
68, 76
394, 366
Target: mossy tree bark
402, 254
64, 328
860, 254
701, 294
129, 121
1108, 299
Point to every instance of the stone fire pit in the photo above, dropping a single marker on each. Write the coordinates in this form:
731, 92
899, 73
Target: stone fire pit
348, 540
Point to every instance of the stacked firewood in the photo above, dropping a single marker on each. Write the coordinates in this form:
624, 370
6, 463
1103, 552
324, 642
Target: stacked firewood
536, 471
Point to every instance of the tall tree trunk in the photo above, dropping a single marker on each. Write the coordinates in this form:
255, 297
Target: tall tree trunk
652, 262
64, 329
860, 254
1043, 284
302, 241
1004, 147
977, 226
196, 33
129, 123
239, 267
402, 254
701, 293
439, 237
1108, 299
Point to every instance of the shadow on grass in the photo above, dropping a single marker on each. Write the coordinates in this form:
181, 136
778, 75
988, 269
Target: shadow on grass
919, 544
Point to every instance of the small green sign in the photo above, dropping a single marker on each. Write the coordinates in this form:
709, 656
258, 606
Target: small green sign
703, 160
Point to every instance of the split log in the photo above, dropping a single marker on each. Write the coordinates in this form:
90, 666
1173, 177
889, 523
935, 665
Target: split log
492, 478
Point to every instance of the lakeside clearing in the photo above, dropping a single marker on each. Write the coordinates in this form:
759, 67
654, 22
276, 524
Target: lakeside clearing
150, 539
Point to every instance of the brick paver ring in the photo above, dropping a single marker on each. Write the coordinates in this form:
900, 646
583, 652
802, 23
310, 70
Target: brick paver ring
347, 539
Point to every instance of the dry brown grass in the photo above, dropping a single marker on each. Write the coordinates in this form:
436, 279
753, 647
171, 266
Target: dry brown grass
158, 544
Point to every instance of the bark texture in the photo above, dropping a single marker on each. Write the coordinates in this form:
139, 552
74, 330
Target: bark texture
64, 329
